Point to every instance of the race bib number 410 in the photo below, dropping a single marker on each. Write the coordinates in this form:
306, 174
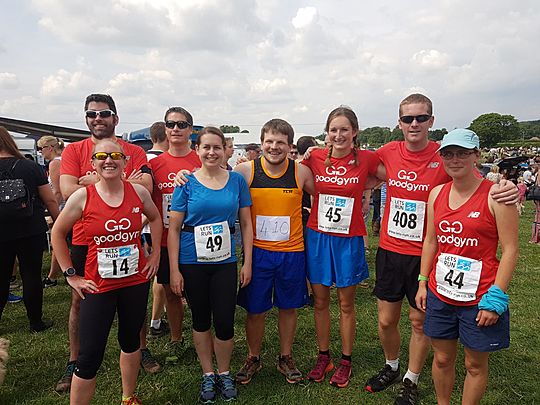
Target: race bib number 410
118, 262
213, 242
406, 219
274, 229
457, 277
335, 213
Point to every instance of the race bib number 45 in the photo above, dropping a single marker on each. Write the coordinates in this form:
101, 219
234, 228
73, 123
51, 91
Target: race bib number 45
213, 242
335, 213
406, 219
457, 277
118, 262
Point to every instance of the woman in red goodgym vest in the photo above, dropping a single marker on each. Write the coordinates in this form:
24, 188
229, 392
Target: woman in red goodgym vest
462, 284
116, 273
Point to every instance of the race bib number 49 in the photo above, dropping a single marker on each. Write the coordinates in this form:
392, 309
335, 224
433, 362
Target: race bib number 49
118, 262
213, 242
406, 219
335, 213
457, 277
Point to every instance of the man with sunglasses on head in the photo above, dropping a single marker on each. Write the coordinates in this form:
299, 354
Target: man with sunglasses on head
76, 172
411, 168
179, 156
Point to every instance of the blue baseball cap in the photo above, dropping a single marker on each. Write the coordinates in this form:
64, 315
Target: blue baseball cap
464, 138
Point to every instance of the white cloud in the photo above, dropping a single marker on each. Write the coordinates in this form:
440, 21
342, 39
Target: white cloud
430, 58
304, 17
9, 81
64, 82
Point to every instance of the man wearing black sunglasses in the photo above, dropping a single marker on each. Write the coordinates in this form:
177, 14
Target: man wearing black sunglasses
411, 169
76, 172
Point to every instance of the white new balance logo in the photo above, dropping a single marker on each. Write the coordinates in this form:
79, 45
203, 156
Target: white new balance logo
135, 210
473, 214
352, 162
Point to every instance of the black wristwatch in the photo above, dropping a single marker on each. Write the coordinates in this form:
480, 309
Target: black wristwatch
70, 272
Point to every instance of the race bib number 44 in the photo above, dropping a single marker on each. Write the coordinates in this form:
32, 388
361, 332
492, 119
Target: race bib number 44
457, 277
335, 213
118, 262
273, 229
406, 219
213, 242
166, 208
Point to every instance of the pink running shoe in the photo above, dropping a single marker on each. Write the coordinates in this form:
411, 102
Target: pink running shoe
342, 375
323, 366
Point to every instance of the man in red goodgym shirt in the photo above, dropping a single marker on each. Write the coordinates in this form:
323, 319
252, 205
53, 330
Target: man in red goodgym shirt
411, 168
178, 128
76, 172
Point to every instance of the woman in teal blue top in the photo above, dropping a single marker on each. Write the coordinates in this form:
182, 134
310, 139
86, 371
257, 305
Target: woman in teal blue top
202, 257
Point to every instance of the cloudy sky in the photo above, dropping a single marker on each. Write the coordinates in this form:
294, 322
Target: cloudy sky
243, 62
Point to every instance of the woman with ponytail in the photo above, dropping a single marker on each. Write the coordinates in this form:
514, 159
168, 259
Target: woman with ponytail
334, 238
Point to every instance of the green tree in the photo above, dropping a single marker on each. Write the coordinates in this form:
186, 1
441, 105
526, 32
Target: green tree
437, 134
374, 136
493, 128
229, 129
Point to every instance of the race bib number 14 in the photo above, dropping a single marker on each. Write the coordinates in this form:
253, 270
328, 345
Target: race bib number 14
118, 262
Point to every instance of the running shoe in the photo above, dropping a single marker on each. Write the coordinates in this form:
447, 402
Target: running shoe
322, 367
41, 326
47, 282
408, 393
64, 383
383, 379
13, 299
251, 366
149, 362
208, 389
132, 400
342, 375
227, 388
287, 367
158, 332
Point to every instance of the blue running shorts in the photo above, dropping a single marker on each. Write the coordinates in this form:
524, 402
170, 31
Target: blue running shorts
335, 259
278, 279
445, 321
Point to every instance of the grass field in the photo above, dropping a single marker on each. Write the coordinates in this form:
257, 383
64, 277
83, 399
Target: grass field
38, 360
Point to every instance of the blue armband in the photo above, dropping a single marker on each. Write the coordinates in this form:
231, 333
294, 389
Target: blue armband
495, 300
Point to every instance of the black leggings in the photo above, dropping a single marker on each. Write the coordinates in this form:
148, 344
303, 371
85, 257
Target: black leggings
29, 251
211, 293
96, 317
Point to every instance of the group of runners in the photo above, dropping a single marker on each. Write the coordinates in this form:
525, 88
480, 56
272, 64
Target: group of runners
109, 185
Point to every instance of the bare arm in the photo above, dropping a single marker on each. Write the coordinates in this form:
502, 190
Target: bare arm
245, 170
151, 213
305, 176
71, 213
68, 185
54, 174
176, 220
46, 195
247, 241
505, 192
429, 250
144, 179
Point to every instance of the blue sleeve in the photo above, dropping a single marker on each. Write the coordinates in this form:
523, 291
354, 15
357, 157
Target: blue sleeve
244, 195
180, 198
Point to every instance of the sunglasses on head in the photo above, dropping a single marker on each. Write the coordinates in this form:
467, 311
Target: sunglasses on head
179, 124
105, 155
460, 154
408, 119
40, 148
102, 113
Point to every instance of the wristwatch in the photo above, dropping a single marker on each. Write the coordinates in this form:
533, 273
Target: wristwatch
70, 272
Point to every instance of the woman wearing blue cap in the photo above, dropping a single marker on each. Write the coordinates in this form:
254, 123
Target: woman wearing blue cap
462, 284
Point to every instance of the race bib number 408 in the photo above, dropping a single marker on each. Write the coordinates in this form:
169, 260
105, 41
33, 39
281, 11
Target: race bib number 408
118, 262
457, 277
406, 219
335, 213
213, 242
